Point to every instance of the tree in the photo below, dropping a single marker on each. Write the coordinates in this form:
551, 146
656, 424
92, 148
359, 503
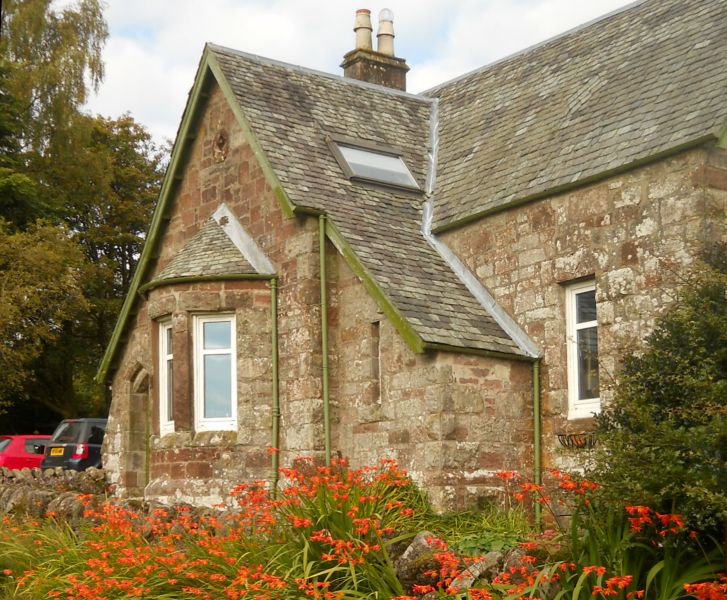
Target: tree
56, 55
663, 440
107, 184
105, 180
18, 192
40, 292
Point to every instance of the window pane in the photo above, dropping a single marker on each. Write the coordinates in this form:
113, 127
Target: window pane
168, 332
382, 167
586, 306
217, 335
217, 386
170, 395
588, 363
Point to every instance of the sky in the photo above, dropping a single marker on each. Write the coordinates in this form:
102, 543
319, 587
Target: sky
154, 46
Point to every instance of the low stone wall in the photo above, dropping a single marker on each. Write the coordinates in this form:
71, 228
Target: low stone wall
43, 492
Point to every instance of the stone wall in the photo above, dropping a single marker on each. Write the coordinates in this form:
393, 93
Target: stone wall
451, 420
46, 492
635, 233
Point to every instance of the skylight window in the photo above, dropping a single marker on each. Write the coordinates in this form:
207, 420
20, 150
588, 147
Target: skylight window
369, 163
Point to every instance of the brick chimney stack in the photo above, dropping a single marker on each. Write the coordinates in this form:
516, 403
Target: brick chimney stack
381, 66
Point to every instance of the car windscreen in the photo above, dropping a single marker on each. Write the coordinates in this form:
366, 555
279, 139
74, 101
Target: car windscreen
4, 443
68, 433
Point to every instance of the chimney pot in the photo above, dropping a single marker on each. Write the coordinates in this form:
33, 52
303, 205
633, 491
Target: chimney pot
385, 34
362, 28
380, 67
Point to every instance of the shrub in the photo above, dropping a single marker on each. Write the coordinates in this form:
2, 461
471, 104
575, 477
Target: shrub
663, 440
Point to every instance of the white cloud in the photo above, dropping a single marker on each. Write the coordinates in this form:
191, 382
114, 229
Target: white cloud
155, 45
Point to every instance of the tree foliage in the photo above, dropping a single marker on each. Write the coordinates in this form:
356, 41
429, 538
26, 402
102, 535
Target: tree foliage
58, 54
107, 185
664, 437
18, 192
39, 293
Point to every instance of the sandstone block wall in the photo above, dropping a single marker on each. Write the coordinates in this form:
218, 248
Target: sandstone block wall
451, 420
636, 234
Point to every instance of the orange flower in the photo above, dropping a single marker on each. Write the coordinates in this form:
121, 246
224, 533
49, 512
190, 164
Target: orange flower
619, 582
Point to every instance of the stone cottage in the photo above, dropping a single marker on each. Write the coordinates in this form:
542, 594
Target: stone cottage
338, 266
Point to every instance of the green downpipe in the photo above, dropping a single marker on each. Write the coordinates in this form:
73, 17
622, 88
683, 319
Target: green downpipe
276, 383
324, 337
537, 449
147, 439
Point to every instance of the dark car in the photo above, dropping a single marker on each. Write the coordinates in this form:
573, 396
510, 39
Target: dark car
22, 451
75, 444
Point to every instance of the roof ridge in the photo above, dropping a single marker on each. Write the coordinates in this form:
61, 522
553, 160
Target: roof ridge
550, 40
264, 60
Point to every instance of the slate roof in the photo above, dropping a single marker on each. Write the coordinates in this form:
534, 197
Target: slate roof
629, 86
209, 252
291, 111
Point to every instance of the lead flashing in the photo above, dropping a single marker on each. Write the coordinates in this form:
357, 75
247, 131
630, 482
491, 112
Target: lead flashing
242, 240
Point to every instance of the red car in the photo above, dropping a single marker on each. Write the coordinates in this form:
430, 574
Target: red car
21, 451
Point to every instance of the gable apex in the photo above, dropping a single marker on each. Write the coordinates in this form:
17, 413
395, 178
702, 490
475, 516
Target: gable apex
208, 73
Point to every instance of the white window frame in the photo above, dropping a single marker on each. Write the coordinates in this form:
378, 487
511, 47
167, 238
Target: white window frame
578, 408
200, 422
166, 355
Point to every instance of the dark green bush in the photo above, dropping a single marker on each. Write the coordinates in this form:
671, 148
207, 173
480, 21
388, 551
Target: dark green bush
663, 440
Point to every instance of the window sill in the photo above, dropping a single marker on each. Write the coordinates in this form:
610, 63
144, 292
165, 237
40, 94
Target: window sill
212, 427
584, 410
166, 428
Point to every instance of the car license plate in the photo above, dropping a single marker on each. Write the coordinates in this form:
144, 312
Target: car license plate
56, 451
